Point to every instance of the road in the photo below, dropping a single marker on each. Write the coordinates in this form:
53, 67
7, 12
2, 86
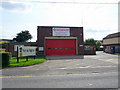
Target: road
94, 71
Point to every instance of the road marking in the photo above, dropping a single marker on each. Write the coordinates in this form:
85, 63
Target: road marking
77, 67
62, 75
90, 84
87, 67
14, 76
97, 67
115, 61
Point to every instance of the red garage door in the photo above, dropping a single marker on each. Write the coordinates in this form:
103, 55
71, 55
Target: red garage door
60, 47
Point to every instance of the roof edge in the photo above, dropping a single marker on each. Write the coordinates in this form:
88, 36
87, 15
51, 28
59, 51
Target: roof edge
63, 26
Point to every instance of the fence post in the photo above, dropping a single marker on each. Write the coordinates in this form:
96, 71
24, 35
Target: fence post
26, 58
17, 55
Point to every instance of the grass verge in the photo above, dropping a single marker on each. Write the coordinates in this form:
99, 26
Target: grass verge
23, 62
116, 53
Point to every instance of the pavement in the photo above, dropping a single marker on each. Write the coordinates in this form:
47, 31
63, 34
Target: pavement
94, 71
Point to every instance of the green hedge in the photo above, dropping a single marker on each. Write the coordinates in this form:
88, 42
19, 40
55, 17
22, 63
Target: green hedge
5, 59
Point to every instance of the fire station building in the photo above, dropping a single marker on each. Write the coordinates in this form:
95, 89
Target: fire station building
57, 40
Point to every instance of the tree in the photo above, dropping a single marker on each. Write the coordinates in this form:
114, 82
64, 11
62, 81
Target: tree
90, 41
96, 43
23, 36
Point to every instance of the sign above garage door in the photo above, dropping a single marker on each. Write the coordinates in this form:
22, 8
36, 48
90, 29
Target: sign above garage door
61, 31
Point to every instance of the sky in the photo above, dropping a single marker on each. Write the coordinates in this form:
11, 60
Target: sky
97, 17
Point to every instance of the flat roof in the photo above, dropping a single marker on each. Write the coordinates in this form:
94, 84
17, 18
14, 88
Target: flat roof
63, 26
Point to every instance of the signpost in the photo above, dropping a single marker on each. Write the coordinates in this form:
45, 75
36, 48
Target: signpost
25, 51
17, 55
15, 47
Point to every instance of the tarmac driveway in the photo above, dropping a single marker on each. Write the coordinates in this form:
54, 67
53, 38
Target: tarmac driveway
94, 71
101, 60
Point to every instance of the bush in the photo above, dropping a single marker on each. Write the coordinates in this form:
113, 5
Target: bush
3, 45
5, 59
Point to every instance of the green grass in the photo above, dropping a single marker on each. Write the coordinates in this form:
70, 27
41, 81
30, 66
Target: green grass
23, 62
116, 53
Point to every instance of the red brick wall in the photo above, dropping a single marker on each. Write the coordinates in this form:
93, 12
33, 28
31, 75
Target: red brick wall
90, 52
10, 48
43, 32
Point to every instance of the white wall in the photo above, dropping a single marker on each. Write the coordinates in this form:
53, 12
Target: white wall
111, 41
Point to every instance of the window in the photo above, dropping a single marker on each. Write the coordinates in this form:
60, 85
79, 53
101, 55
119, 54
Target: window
49, 48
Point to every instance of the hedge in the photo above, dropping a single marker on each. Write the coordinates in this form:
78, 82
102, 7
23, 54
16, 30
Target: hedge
5, 59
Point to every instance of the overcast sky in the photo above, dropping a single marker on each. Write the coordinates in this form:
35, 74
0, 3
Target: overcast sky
98, 17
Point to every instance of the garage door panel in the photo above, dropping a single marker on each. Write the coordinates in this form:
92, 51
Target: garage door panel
60, 47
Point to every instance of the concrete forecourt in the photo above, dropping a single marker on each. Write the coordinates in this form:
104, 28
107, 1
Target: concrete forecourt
94, 71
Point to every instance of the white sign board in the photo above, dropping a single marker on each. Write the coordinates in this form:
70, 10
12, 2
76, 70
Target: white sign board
81, 45
15, 47
26, 51
61, 31
41, 49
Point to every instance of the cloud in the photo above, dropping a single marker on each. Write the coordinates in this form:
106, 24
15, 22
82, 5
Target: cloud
96, 16
97, 35
74, 1
16, 6
32, 28
98, 20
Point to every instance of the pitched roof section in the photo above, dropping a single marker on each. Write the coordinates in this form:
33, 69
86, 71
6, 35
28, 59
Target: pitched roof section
112, 35
5, 40
26, 43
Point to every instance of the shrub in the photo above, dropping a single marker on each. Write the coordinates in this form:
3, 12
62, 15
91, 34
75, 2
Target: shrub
5, 59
